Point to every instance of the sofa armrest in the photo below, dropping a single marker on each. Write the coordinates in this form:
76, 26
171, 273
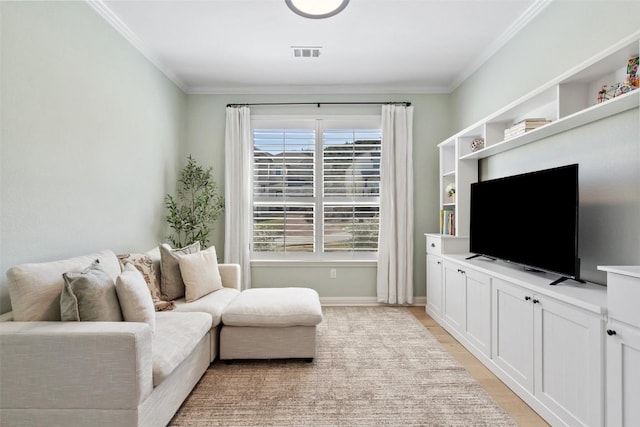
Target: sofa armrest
65, 365
230, 274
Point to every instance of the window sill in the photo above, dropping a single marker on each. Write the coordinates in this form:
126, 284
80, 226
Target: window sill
279, 263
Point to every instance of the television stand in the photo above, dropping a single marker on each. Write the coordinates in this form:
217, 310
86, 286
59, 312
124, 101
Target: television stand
502, 313
563, 278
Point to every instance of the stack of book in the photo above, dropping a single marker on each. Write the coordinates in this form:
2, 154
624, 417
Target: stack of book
447, 222
524, 126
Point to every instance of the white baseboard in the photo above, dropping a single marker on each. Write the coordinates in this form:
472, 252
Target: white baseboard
361, 301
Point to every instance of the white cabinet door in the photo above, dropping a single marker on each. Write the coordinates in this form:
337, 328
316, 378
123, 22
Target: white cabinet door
568, 361
478, 310
623, 375
434, 286
453, 307
512, 338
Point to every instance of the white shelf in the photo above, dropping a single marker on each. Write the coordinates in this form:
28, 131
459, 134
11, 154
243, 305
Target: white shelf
625, 270
617, 105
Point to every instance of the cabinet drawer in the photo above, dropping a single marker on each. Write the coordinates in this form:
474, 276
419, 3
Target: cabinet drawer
438, 244
434, 245
623, 294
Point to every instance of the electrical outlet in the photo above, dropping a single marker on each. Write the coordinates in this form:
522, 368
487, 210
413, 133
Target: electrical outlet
333, 273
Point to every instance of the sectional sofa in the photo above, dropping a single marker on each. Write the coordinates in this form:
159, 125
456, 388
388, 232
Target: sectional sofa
107, 373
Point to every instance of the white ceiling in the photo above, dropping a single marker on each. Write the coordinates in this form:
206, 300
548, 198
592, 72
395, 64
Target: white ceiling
381, 46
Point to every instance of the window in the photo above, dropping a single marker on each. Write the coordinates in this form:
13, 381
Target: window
316, 188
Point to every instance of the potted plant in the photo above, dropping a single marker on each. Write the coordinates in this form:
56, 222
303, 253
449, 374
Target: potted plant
451, 191
196, 206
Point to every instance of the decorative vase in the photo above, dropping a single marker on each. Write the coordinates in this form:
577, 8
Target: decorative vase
477, 144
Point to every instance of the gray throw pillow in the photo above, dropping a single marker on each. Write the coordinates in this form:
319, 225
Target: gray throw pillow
171, 283
89, 295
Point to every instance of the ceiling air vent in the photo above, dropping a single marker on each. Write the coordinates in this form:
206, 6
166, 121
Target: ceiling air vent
306, 51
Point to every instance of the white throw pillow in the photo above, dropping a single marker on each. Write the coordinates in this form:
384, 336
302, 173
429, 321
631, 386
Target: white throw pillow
200, 273
134, 296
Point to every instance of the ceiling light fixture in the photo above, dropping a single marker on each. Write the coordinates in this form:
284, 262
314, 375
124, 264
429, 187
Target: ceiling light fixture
317, 9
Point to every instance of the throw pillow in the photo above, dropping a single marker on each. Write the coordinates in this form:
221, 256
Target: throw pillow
171, 283
147, 267
89, 296
200, 273
134, 297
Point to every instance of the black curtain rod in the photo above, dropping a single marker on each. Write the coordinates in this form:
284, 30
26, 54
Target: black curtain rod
318, 104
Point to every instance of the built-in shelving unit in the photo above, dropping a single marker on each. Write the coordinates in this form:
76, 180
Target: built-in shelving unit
501, 314
569, 101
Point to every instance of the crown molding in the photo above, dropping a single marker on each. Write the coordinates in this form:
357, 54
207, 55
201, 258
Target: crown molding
321, 89
112, 19
522, 21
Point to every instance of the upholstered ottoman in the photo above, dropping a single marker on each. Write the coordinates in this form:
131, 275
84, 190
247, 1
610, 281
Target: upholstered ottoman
271, 323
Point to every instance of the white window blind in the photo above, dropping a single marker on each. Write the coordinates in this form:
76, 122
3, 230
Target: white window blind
351, 189
316, 189
284, 189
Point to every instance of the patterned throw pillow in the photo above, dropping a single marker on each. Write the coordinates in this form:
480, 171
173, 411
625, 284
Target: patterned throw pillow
89, 296
171, 283
149, 269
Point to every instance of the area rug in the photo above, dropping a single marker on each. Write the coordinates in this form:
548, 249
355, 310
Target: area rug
375, 366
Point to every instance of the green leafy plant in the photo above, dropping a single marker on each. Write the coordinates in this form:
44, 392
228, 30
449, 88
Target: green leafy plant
451, 190
196, 206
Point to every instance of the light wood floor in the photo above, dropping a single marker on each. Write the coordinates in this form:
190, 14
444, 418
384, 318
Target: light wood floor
508, 400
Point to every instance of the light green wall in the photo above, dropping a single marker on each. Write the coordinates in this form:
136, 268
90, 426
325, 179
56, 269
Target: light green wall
91, 137
205, 132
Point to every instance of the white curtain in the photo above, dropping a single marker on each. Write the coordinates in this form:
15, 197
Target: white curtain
395, 243
237, 189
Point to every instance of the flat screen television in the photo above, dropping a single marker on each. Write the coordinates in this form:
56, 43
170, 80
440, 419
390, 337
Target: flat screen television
529, 219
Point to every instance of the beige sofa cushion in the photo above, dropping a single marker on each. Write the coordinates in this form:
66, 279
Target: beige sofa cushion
213, 304
35, 288
134, 296
89, 295
176, 336
274, 307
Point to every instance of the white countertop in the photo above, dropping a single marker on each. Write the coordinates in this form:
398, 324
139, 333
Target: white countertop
590, 296
626, 270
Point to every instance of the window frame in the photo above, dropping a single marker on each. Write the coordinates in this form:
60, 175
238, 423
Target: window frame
318, 123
